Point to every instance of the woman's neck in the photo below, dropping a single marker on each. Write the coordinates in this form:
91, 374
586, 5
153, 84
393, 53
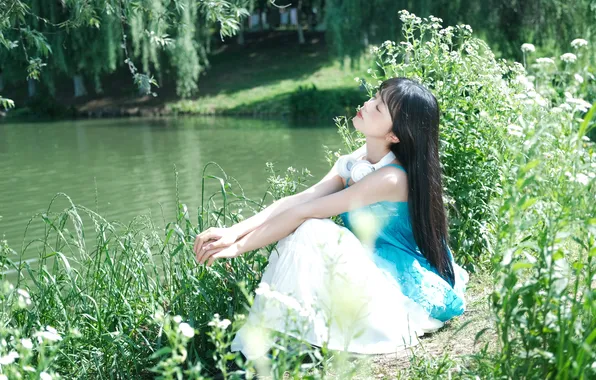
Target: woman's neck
375, 151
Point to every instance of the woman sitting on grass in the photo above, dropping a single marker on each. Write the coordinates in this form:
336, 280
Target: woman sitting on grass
385, 278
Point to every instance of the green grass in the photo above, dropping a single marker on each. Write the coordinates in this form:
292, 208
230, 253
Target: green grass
260, 81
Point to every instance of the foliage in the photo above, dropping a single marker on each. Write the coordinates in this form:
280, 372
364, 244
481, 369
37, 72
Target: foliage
506, 24
91, 38
127, 300
310, 102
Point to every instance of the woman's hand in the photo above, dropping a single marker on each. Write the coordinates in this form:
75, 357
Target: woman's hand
210, 256
213, 240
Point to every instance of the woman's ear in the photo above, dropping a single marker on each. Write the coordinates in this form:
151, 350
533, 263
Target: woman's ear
391, 137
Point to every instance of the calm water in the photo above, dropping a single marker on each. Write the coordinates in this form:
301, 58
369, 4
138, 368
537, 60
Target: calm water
130, 163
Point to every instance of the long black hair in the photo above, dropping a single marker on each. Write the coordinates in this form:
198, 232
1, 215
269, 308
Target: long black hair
415, 114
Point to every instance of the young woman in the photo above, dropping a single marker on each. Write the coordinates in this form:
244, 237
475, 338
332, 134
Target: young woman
385, 278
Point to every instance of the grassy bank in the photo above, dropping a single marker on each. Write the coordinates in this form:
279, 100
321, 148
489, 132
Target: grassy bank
265, 77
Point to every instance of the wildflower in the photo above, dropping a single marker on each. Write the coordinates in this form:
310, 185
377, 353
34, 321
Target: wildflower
158, 315
27, 343
3, 377
49, 334
580, 104
9, 359
45, 376
224, 324
515, 130
545, 61
356, 79
579, 42
528, 48
569, 57
578, 78
582, 178
186, 330
556, 110
177, 319
23, 293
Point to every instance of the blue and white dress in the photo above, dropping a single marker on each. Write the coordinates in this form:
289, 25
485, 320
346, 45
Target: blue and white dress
363, 288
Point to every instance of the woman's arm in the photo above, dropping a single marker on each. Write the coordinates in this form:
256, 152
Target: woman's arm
222, 238
330, 184
376, 187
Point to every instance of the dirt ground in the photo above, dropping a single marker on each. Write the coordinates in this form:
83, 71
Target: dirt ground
455, 339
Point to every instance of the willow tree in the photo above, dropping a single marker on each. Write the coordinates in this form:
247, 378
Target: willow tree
86, 38
352, 24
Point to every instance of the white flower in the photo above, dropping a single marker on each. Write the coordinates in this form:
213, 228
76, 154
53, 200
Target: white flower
158, 315
545, 61
582, 178
528, 48
45, 376
177, 319
357, 79
579, 78
556, 110
515, 130
224, 324
27, 343
3, 377
9, 359
579, 42
186, 330
580, 104
23, 293
525, 81
569, 57
49, 334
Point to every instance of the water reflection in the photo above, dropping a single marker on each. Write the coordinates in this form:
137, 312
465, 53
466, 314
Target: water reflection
125, 167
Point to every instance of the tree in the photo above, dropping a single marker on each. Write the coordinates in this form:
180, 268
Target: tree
85, 38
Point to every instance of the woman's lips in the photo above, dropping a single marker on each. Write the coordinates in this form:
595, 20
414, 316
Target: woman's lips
359, 114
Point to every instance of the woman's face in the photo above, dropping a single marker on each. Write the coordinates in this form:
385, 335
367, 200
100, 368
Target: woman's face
374, 120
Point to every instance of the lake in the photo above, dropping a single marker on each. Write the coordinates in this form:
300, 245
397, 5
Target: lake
125, 167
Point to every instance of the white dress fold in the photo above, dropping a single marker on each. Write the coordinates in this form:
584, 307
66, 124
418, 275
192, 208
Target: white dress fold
322, 285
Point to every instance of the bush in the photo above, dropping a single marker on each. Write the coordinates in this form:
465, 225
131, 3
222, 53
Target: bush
311, 103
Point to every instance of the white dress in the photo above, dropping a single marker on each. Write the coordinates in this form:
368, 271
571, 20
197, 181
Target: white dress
321, 285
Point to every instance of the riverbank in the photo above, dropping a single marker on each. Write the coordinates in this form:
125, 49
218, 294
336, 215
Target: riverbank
270, 76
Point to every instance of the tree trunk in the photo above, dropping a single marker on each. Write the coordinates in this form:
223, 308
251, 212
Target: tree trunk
241, 34
79, 86
31, 87
301, 40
